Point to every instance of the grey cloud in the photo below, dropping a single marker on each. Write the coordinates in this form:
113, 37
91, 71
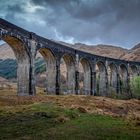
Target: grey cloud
113, 22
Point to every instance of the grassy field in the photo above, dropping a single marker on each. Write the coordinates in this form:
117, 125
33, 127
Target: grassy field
67, 118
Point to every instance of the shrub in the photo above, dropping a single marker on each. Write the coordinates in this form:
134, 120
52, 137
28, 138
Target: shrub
135, 87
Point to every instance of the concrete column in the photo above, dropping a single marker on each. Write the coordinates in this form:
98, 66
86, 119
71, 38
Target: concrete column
106, 80
94, 84
25, 55
57, 77
32, 83
102, 83
128, 85
118, 84
71, 77
25, 70
77, 82
91, 80
24, 81
77, 91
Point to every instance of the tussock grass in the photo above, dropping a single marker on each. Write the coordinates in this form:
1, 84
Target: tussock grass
68, 117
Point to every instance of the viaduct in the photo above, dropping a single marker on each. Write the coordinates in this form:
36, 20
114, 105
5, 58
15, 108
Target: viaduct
111, 72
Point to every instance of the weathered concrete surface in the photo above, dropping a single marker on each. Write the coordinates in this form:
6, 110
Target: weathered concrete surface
112, 78
133, 71
70, 75
101, 79
23, 69
50, 70
123, 78
86, 77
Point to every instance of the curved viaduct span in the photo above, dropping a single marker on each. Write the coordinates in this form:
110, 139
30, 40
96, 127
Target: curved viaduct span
111, 72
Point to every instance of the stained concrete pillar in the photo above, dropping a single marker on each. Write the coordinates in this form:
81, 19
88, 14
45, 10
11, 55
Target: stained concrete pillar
106, 83
101, 80
77, 91
93, 78
77, 82
128, 84
87, 81
118, 84
57, 77
113, 80
94, 83
91, 83
50, 77
106, 78
133, 71
70, 77
25, 55
123, 78
69, 86
87, 77
32, 82
50, 60
25, 72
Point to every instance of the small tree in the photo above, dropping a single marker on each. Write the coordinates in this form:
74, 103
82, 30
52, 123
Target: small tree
135, 87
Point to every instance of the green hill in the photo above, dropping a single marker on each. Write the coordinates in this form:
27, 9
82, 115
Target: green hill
8, 67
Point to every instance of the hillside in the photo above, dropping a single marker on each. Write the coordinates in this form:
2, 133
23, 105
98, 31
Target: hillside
6, 52
103, 50
132, 54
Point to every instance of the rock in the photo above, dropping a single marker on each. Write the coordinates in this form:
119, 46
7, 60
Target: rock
42, 114
62, 119
82, 110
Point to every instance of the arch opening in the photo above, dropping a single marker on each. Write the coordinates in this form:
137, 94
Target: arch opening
101, 78
67, 72
84, 77
46, 70
8, 69
23, 64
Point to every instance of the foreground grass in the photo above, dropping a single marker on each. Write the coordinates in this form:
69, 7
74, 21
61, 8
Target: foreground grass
48, 121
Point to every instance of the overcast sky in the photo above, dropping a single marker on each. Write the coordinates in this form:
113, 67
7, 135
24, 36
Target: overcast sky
115, 22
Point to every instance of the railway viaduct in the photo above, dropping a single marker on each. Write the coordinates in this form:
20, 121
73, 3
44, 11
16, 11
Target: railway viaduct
110, 75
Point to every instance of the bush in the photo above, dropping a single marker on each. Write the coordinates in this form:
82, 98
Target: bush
135, 87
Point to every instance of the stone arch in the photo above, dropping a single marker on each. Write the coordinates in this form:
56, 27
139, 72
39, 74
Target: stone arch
112, 77
101, 83
123, 78
50, 60
133, 71
19, 48
69, 67
85, 65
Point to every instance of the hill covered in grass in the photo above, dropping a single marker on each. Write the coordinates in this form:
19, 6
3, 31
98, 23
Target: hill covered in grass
8, 67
